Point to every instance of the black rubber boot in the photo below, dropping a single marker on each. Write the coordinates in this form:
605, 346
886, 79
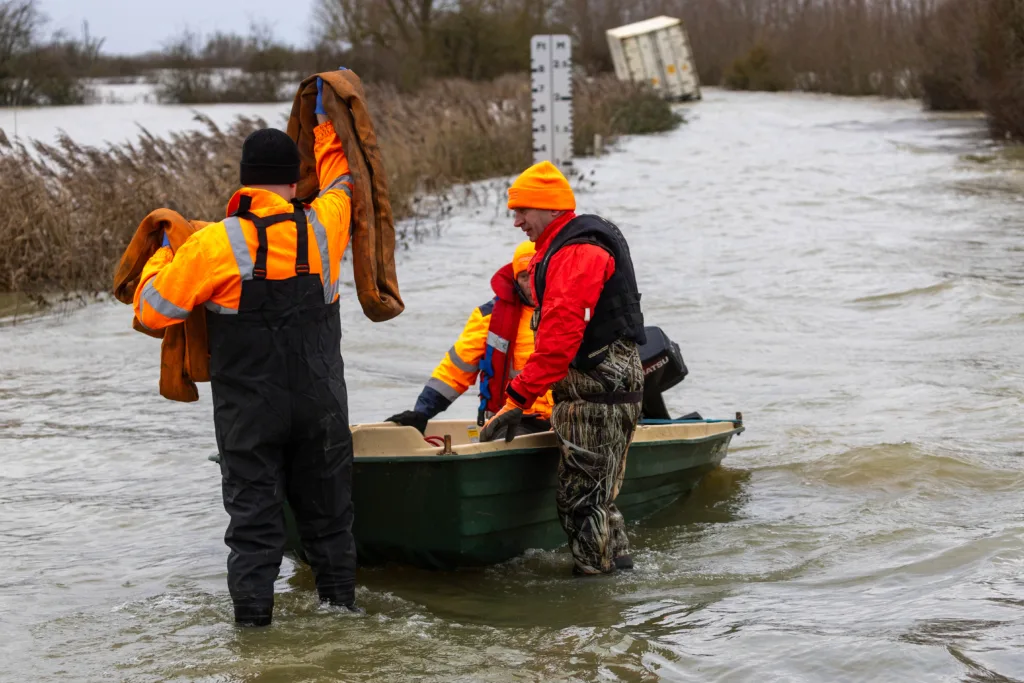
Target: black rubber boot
624, 562
347, 604
253, 614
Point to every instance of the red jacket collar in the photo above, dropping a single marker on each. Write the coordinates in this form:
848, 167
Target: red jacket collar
554, 227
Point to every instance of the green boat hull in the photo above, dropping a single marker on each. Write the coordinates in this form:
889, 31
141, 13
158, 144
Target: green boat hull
447, 511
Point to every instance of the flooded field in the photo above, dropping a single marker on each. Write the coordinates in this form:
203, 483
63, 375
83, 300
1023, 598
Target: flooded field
848, 273
133, 108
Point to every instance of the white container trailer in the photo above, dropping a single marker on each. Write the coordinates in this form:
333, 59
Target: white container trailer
657, 52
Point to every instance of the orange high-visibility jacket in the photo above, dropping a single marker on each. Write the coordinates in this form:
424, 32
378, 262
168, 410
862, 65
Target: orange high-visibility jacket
208, 269
459, 368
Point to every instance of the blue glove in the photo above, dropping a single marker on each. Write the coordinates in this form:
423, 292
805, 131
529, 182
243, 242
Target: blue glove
319, 97
320, 94
167, 242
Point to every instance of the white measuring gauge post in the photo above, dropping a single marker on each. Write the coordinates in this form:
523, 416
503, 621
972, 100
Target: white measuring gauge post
551, 68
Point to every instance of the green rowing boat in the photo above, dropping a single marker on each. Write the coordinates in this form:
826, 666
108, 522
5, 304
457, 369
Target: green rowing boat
441, 500
484, 503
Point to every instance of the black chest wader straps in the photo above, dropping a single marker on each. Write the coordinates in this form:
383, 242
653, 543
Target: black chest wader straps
614, 398
298, 216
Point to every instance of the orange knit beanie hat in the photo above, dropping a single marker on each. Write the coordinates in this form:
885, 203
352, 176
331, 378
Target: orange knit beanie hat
522, 257
542, 186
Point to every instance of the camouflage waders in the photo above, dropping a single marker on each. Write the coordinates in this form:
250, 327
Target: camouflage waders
594, 435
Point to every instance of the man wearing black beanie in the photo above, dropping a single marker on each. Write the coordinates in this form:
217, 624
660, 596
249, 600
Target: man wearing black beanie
268, 276
269, 157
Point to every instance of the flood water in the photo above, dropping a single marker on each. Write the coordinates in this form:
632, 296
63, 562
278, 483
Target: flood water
843, 271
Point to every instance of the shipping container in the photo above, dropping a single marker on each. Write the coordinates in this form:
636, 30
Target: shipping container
657, 52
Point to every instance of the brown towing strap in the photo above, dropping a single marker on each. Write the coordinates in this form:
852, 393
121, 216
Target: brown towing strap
373, 223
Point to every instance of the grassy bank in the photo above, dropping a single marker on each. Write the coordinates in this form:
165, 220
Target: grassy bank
70, 209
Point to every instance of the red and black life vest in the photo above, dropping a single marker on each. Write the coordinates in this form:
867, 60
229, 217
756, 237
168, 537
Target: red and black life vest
617, 314
496, 366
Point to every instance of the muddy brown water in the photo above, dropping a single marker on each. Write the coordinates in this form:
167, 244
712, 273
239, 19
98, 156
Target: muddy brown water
848, 273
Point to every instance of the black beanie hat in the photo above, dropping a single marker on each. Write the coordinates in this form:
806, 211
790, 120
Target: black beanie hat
269, 157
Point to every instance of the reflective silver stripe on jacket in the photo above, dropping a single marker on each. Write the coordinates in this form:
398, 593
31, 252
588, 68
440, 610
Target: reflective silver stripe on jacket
497, 342
159, 304
338, 181
330, 285
514, 373
457, 361
239, 246
243, 259
217, 308
443, 389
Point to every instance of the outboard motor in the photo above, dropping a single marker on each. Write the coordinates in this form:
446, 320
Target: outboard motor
663, 369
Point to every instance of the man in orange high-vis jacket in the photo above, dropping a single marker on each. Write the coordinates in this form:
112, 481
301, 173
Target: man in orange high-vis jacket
268, 277
494, 345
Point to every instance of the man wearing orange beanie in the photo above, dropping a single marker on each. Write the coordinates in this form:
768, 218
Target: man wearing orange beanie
495, 344
588, 324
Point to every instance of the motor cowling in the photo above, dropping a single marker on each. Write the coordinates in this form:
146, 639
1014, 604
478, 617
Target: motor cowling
663, 369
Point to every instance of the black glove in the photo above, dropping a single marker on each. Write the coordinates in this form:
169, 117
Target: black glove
411, 418
509, 419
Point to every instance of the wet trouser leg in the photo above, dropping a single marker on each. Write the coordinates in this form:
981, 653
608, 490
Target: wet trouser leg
594, 439
252, 469
319, 475
281, 417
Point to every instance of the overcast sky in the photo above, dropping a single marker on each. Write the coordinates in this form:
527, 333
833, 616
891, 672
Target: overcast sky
133, 26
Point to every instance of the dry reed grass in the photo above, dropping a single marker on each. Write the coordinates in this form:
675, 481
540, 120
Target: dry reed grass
71, 209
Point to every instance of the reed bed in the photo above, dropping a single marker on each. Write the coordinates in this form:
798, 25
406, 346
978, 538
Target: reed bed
71, 209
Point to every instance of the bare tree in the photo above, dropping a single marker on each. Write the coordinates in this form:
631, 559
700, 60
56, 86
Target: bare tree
385, 24
20, 21
38, 70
